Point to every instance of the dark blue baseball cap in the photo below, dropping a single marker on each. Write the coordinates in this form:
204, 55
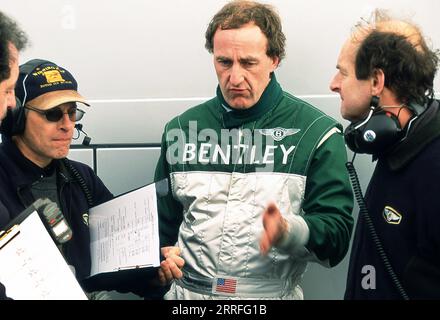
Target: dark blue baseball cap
44, 85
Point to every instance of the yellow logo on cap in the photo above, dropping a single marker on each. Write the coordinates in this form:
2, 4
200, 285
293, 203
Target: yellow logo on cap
53, 76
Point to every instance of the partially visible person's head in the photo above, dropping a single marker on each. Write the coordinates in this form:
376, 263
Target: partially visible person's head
247, 42
46, 121
385, 57
12, 40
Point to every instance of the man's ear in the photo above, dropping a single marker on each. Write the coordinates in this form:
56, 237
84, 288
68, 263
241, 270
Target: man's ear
275, 63
377, 82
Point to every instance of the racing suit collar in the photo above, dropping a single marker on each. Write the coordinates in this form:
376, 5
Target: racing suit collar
233, 118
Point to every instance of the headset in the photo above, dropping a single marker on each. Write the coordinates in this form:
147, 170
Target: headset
379, 131
15, 119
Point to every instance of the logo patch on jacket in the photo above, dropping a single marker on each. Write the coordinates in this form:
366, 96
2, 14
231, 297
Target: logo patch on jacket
279, 134
85, 217
391, 215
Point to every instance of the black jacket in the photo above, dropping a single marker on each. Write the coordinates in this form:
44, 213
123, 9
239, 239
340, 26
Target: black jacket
17, 174
403, 201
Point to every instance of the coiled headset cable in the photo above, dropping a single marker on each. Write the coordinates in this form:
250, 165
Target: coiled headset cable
80, 180
363, 211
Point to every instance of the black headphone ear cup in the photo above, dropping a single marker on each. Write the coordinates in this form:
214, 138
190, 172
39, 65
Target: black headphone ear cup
350, 136
7, 124
14, 122
19, 120
376, 136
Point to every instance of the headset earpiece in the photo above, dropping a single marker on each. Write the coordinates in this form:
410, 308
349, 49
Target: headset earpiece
375, 134
15, 120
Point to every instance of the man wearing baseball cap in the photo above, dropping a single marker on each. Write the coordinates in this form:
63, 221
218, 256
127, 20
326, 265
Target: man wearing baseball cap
36, 137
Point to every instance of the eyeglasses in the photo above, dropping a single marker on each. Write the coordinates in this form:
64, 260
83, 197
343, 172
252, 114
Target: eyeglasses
55, 114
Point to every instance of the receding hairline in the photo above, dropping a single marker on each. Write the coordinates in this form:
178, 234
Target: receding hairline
382, 21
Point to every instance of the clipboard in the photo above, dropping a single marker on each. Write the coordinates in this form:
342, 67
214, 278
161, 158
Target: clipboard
8, 235
12, 229
124, 232
35, 206
35, 268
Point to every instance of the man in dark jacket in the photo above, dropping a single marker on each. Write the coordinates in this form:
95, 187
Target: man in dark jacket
386, 83
36, 138
12, 40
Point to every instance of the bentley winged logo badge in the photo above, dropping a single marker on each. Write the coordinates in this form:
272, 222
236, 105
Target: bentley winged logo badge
279, 134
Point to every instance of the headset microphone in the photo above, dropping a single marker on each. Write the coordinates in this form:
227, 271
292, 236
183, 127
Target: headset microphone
87, 139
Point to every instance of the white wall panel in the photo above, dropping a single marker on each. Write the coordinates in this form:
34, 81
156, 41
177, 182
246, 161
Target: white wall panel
126, 169
84, 156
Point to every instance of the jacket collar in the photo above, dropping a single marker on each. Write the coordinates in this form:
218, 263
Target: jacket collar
26, 172
423, 132
233, 118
